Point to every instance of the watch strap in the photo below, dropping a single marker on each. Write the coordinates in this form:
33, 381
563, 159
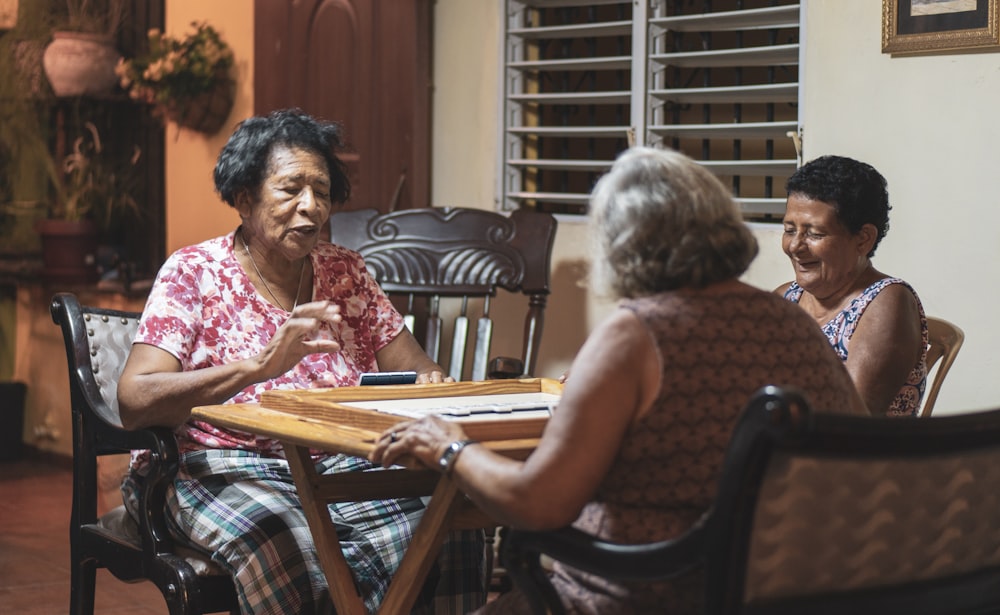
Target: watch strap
450, 454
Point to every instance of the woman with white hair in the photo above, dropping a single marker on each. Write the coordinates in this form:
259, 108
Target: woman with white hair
633, 451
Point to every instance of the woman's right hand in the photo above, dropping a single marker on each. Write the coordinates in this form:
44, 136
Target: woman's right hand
302, 334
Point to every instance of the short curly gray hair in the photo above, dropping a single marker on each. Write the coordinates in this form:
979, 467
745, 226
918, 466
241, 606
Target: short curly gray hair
659, 221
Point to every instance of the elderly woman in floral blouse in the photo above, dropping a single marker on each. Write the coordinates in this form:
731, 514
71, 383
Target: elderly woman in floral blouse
270, 306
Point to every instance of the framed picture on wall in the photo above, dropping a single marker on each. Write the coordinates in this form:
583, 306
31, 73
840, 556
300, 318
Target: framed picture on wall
915, 26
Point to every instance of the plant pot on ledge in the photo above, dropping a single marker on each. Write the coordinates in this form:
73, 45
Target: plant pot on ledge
81, 63
69, 251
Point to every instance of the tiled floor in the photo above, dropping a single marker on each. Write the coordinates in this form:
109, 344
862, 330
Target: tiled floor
34, 547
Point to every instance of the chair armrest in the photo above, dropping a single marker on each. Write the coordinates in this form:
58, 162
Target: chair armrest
160, 473
520, 552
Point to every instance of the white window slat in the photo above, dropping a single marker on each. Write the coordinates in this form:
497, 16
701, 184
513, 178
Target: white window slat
746, 130
607, 63
776, 55
747, 19
780, 92
604, 28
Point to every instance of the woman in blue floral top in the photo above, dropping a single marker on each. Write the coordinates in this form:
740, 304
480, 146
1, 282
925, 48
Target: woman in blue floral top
836, 215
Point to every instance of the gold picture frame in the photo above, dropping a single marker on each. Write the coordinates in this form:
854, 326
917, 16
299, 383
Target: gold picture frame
920, 26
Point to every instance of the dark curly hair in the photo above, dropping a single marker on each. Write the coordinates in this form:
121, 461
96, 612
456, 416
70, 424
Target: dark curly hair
857, 192
242, 163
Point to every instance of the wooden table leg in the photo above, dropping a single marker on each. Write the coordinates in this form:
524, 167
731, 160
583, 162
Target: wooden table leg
338, 574
423, 550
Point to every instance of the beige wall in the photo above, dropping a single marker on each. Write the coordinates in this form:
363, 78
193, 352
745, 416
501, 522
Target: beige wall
928, 123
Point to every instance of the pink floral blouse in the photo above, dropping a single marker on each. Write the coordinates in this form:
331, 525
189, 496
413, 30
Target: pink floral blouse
203, 310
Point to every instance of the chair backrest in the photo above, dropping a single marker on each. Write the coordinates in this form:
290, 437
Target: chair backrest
842, 514
944, 341
97, 343
821, 514
461, 255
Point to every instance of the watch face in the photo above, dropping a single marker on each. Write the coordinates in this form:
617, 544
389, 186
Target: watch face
448, 453
448, 456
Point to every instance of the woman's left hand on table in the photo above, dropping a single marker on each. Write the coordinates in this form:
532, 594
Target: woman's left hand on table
424, 439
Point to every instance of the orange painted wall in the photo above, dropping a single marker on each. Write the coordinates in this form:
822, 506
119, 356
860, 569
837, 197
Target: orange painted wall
194, 211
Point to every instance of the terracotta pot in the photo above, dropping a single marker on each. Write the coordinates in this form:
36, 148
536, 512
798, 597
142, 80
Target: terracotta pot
69, 251
80, 63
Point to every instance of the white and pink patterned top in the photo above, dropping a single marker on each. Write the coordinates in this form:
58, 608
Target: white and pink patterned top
203, 310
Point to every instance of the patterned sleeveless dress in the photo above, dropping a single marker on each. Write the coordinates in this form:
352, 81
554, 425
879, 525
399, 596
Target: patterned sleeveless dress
841, 327
716, 349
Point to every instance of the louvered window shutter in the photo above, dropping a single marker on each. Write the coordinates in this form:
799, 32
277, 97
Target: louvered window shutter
717, 80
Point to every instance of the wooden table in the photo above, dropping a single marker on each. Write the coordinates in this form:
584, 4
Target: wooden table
320, 419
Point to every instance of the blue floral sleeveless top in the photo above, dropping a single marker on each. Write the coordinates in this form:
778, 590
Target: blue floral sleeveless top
841, 327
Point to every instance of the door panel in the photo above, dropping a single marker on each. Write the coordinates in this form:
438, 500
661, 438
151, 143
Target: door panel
365, 65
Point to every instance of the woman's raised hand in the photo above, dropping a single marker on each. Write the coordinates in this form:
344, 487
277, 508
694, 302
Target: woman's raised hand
302, 334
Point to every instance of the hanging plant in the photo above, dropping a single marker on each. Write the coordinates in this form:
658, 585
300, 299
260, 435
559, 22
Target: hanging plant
187, 80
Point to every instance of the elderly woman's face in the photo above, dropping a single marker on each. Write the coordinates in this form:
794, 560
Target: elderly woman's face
293, 204
825, 256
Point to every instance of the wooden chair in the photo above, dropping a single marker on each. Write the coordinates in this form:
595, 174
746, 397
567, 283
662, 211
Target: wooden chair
97, 344
821, 514
463, 254
945, 340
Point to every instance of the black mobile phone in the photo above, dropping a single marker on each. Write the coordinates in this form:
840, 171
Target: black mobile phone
368, 378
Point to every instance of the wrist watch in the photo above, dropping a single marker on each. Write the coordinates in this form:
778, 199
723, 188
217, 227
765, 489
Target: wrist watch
450, 454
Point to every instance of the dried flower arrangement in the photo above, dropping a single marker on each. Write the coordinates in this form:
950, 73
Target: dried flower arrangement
187, 80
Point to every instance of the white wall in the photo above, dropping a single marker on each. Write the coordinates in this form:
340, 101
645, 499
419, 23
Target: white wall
929, 124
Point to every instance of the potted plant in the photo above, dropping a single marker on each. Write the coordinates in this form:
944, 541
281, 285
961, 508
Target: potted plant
82, 56
27, 172
97, 192
187, 80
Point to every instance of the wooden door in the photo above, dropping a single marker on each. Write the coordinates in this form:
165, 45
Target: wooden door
365, 64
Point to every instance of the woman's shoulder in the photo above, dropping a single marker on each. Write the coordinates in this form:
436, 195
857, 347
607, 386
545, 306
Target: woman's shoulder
784, 288
891, 285
330, 255
890, 295
211, 250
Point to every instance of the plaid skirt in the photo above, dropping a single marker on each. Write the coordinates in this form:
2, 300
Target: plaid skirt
242, 510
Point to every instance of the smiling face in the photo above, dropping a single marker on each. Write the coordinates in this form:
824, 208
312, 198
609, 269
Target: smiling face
826, 257
292, 206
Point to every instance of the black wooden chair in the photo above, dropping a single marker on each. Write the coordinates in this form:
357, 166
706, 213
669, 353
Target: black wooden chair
821, 514
424, 257
97, 344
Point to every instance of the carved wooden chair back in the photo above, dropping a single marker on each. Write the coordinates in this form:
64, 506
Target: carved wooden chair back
424, 257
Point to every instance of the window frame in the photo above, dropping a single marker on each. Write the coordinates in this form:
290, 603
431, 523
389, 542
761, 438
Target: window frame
763, 201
